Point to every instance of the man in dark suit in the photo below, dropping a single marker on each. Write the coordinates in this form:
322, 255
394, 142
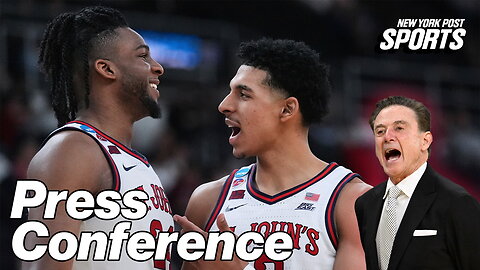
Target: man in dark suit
417, 219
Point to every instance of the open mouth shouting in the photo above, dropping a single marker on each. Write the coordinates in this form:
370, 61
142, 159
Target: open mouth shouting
235, 126
235, 131
392, 154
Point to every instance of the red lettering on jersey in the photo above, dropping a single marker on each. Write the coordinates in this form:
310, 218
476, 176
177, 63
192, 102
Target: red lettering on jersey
155, 200
274, 226
261, 263
159, 200
168, 209
155, 228
294, 233
264, 228
282, 226
142, 189
312, 247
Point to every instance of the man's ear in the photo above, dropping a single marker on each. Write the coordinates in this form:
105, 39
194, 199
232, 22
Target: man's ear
105, 68
290, 108
427, 140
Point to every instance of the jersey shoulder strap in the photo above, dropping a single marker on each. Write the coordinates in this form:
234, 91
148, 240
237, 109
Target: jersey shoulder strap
237, 176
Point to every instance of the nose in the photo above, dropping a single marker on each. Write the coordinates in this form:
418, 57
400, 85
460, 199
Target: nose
157, 68
225, 106
389, 135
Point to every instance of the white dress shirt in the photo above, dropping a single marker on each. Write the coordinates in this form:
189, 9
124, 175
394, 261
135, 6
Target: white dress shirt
407, 187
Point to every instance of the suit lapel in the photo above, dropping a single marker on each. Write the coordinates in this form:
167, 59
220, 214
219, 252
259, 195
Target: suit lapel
420, 202
373, 219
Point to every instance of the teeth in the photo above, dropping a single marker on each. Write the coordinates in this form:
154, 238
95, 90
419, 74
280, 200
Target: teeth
392, 154
153, 85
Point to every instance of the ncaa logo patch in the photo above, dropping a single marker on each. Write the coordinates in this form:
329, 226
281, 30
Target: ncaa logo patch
87, 129
242, 172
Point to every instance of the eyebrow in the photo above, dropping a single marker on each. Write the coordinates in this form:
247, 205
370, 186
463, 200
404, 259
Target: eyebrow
243, 87
143, 46
395, 123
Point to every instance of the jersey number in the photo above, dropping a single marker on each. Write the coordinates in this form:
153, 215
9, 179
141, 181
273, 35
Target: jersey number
155, 228
261, 263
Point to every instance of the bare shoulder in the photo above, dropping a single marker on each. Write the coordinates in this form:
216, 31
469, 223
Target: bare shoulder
345, 206
203, 200
350, 254
354, 189
71, 160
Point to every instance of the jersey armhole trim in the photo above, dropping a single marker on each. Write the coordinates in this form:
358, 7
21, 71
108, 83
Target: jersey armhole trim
329, 213
221, 200
113, 168
113, 141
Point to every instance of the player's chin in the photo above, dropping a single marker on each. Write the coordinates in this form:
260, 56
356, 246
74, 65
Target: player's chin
238, 154
152, 99
157, 114
152, 108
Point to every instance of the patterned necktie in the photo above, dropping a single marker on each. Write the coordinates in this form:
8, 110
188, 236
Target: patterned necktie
390, 227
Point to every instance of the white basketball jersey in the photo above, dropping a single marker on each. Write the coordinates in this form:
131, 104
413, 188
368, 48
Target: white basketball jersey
305, 212
130, 171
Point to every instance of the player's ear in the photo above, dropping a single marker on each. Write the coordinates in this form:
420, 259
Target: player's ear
105, 68
290, 108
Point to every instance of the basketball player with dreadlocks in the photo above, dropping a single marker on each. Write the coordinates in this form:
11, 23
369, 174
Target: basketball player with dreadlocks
103, 79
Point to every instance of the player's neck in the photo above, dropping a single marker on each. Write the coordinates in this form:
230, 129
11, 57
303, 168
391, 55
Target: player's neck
286, 167
114, 124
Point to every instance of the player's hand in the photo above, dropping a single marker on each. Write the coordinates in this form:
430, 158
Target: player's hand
188, 226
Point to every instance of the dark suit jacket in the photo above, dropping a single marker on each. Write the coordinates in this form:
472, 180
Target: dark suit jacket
436, 204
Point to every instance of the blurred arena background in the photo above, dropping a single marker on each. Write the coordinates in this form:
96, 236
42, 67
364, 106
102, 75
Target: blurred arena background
196, 42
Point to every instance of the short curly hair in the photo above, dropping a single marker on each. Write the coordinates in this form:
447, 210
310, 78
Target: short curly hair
296, 69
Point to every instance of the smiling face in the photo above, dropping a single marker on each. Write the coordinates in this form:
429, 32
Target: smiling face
252, 110
140, 73
400, 146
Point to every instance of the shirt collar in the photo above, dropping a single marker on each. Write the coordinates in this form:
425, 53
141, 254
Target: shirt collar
408, 185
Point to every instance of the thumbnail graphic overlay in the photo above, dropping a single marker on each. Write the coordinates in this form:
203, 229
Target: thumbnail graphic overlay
424, 35
140, 245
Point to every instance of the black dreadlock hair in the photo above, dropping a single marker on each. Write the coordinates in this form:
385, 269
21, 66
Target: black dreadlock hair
69, 42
